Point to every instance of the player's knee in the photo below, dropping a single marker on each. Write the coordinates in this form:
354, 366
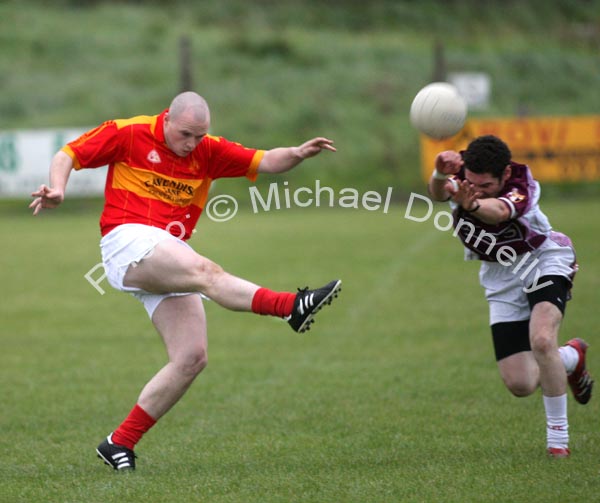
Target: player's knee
194, 362
543, 344
206, 271
198, 361
520, 387
520, 390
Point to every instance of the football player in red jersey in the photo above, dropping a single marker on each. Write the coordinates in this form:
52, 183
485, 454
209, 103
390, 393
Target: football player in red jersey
159, 172
527, 270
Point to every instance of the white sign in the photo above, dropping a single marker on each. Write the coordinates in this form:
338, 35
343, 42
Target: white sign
474, 87
25, 158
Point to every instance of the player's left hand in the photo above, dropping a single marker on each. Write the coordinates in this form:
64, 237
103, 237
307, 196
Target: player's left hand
46, 197
465, 195
314, 147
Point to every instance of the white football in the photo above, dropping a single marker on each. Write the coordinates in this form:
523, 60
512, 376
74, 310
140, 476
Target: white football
438, 111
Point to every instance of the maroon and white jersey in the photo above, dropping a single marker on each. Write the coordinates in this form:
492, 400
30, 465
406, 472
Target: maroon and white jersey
524, 232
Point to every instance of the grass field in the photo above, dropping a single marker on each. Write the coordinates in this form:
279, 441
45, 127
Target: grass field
392, 397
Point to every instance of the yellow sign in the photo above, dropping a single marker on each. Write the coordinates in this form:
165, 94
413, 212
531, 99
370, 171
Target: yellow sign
556, 149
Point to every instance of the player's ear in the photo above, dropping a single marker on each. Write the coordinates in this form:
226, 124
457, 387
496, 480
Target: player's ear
506, 174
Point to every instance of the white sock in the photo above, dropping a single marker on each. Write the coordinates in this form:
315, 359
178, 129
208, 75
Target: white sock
569, 357
557, 425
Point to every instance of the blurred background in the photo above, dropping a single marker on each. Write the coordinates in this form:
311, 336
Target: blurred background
279, 72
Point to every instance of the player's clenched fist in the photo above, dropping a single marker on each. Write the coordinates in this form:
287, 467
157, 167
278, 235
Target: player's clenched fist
448, 162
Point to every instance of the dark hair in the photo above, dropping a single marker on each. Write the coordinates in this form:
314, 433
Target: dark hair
487, 154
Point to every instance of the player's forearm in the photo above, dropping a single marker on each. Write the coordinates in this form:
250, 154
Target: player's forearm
280, 160
437, 189
490, 211
60, 169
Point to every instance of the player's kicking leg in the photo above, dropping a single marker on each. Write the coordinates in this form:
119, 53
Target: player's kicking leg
175, 268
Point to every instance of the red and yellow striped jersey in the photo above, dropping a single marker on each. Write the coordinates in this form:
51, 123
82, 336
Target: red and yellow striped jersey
149, 184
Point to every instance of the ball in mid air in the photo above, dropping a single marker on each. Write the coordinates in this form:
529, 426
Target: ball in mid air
438, 111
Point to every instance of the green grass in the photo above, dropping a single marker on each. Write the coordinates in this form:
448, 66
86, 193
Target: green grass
394, 396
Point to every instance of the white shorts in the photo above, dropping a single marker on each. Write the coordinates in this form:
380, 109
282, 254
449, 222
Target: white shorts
128, 244
505, 285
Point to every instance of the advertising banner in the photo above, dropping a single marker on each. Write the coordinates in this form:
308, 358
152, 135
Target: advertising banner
557, 149
25, 160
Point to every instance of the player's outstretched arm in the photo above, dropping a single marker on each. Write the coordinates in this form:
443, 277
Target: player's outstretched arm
51, 196
282, 159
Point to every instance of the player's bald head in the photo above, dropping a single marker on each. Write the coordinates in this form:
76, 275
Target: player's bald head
186, 123
191, 105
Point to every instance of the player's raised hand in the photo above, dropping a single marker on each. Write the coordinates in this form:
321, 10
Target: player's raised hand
46, 197
448, 162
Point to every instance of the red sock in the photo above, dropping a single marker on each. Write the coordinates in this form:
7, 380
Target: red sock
131, 430
267, 301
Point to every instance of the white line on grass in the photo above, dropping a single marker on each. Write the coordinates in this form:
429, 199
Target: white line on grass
389, 279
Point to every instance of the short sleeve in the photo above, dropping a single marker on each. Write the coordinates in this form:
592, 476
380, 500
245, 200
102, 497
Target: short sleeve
229, 159
97, 147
